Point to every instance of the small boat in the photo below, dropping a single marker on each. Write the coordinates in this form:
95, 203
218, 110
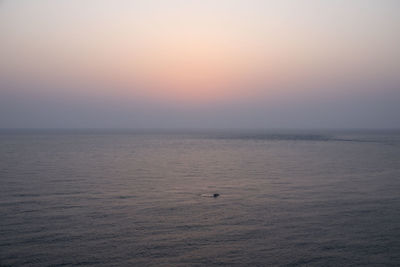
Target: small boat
215, 195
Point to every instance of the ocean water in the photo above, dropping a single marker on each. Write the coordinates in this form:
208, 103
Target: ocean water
287, 198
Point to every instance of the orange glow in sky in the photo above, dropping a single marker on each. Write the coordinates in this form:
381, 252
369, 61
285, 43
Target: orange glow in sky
195, 51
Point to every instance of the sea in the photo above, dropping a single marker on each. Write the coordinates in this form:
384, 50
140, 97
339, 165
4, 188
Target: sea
146, 198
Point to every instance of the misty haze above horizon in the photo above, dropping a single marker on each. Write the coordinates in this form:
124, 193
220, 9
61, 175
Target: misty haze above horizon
200, 64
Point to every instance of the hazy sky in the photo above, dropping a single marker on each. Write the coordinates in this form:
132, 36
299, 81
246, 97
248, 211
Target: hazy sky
200, 63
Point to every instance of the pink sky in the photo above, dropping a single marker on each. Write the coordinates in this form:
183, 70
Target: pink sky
199, 57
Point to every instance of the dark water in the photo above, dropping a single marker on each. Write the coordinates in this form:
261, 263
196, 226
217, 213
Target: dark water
135, 199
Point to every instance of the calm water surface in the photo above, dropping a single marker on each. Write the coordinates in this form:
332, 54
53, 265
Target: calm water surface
135, 199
